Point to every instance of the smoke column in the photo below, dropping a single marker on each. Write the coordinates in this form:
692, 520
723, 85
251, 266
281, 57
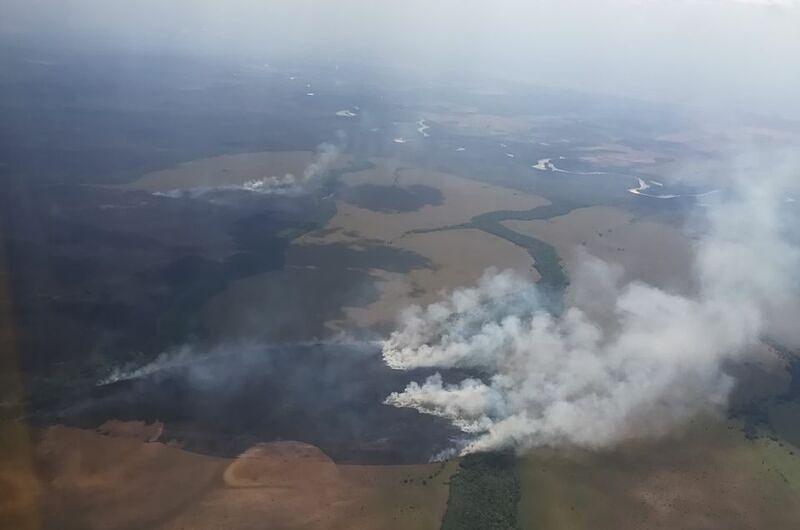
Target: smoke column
623, 360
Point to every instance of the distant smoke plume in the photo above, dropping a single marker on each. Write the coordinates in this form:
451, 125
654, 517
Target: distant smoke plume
624, 360
288, 185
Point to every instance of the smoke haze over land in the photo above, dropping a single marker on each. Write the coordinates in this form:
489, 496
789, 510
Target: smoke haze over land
719, 53
625, 360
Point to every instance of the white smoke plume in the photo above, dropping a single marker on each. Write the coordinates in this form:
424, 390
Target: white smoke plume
188, 355
623, 360
288, 185
174, 358
292, 185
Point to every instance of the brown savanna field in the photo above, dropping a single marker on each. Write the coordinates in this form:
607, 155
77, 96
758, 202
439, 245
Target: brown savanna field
80, 479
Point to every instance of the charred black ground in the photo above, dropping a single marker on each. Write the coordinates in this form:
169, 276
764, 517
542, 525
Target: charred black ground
223, 402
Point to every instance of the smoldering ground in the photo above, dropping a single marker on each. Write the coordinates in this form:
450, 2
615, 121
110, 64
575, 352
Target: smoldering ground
623, 360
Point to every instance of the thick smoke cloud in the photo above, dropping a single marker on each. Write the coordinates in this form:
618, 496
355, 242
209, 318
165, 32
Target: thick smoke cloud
624, 360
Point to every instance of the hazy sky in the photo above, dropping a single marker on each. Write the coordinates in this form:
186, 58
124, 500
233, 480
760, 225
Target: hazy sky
721, 52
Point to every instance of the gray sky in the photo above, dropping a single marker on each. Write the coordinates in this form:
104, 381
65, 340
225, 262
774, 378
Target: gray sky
727, 53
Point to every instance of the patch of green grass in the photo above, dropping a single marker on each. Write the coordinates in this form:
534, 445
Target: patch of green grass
710, 476
484, 494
